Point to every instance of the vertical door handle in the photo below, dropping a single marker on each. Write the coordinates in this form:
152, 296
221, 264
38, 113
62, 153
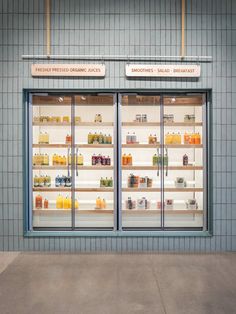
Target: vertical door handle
68, 164
167, 161
76, 161
158, 162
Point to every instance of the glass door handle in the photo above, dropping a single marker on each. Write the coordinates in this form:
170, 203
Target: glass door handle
76, 161
68, 161
158, 162
166, 162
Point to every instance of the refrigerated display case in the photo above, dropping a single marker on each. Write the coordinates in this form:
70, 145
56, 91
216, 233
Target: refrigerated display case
109, 161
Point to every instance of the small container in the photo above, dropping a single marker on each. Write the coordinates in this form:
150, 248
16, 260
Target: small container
185, 160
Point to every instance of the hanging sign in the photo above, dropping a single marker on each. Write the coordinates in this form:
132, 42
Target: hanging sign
146, 70
68, 70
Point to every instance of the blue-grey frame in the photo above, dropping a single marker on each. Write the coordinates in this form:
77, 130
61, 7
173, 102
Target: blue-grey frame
118, 233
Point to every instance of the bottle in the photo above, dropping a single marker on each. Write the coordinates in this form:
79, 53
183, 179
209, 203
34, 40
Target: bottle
98, 202
100, 138
124, 160
94, 160
59, 202
128, 138
154, 160
64, 160
129, 160
90, 138
38, 202
198, 139
103, 203
186, 138
66, 203
185, 160
45, 203
36, 183
108, 161
76, 204
80, 160
109, 139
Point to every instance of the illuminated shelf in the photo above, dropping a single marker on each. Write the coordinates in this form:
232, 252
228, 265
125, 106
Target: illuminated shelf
66, 189
141, 145
156, 168
78, 167
158, 211
94, 145
69, 146
56, 212
70, 124
183, 145
158, 124
165, 189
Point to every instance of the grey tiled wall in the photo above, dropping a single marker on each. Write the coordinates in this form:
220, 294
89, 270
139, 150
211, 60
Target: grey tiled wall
143, 27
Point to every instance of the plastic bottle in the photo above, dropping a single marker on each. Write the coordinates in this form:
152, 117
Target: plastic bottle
38, 202
45, 203
80, 160
124, 160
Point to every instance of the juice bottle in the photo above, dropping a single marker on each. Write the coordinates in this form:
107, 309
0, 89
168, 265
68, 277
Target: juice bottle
103, 203
95, 138
69, 203
175, 138
100, 138
54, 159
98, 202
38, 202
64, 160
109, 139
186, 138
36, 183
76, 204
129, 160
65, 203
198, 139
192, 139
124, 160
45, 203
80, 160
179, 138
46, 138
90, 138
59, 202
154, 160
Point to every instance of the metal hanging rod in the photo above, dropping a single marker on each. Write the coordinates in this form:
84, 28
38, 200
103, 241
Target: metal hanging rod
119, 58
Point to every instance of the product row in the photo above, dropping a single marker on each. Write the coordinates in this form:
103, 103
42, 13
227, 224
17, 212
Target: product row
65, 181
65, 202
143, 203
99, 160
141, 118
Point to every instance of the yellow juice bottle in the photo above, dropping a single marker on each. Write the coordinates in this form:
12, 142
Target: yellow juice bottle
59, 202
69, 203
65, 203
76, 204
80, 160
98, 202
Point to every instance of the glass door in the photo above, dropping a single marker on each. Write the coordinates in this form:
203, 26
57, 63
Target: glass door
184, 158
50, 179
95, 162
140, 161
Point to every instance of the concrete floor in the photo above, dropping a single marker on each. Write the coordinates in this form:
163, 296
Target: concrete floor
117, 283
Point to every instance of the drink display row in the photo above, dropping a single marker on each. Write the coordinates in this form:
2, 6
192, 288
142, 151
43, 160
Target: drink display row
63, 119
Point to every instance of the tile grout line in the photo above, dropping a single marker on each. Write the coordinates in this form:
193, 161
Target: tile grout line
158, 286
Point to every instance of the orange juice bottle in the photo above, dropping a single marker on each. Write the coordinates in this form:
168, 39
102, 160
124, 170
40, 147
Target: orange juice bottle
124, 160
197, 139
192, 139
186, 138
38, 202
98, 202
129, 160
103, 203
179, 138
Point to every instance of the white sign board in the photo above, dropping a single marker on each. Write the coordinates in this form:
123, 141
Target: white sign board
68, 70
146, 70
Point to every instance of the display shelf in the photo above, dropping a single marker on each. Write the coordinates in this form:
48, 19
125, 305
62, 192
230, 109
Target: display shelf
158, 211
95, 124
78, 167
70, 124
158, 124
76, 145
141, 145
51, 124
165, 189
183, 101
183, 146
156, 168
51, 146
55, 212
66, 189
94, 145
